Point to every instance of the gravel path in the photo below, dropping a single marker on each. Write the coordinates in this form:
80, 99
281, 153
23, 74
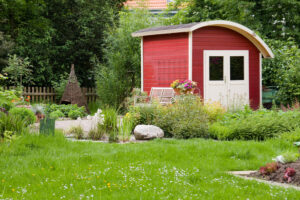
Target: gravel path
65, 125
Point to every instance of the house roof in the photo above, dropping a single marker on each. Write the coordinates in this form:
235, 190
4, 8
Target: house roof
150, 4
246, 32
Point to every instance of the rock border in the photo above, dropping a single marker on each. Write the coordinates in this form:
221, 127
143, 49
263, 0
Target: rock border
242, 174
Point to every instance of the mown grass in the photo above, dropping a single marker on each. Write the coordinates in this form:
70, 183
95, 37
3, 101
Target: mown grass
40, 167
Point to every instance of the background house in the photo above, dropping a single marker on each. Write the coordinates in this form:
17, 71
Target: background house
154, 6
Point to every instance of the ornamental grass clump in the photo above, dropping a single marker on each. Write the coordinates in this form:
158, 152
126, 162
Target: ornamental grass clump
110, 122
126, 126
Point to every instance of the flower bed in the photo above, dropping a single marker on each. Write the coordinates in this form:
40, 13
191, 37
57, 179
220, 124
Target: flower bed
283, 173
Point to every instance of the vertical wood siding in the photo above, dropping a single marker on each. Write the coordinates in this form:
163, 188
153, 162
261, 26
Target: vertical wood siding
218, 38
165, 59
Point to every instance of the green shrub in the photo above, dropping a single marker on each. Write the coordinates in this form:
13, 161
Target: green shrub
56, 114
255, 125
219, 131
185, 118
65, 109
74, 114
293, 136
143, 114
290, 156
214, 111
77, 131
24, 113
12, 123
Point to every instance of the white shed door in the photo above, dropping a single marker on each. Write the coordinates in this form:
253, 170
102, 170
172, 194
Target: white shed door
226, 77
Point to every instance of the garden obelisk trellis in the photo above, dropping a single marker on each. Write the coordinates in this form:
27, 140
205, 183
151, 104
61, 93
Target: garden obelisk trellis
73, 93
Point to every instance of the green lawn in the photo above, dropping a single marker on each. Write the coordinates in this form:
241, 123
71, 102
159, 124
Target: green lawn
36, 167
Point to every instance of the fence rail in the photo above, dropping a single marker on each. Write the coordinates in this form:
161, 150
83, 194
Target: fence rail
48, 94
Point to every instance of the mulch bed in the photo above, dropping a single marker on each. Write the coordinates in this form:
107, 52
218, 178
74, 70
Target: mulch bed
278, 175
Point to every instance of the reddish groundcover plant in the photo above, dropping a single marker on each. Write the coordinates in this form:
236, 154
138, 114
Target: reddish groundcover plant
289, 173
269, 168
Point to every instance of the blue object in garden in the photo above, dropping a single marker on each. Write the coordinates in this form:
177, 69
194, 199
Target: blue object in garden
297, 144
269, 94
47, 126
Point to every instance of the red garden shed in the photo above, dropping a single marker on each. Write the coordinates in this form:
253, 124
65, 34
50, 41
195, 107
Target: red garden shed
223, 57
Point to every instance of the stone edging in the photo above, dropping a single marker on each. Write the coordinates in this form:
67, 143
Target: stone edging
241, 174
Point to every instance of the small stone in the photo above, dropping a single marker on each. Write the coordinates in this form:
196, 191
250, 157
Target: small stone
132, 139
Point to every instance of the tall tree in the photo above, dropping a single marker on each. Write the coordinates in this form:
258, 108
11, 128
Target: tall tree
54, 34
120, 71
276, 19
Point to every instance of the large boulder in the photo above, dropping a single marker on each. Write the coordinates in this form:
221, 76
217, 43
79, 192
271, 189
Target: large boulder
147, 132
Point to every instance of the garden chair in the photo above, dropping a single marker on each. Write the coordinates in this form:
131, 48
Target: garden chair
164, 95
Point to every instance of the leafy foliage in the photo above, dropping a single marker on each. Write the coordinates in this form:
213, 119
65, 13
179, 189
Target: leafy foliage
120, 72
74, 114
186, 118
55, 34
12, 123
56, 114
19, 70
254, 125
23, 113
293, 136
274, 19
6, 46
290, 156
284, 70
60, 85
7, 97
66, 109
269, 168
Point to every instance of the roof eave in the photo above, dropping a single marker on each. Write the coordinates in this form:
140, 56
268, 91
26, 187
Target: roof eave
246, 32
162, 32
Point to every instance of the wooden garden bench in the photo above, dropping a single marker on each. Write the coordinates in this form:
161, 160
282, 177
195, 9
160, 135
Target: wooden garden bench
164, 95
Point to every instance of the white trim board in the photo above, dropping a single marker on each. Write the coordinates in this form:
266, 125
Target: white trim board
246, 32
142, 65
260, 79
190, 56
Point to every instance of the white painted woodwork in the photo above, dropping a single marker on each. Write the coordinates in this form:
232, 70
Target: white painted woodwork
230, 93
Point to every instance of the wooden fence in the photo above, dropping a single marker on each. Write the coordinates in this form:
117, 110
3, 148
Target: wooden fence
47, 94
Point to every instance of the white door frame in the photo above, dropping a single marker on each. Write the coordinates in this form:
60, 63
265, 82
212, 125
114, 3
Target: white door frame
226, 53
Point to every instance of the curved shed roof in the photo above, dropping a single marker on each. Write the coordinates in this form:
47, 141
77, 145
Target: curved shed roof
246, 32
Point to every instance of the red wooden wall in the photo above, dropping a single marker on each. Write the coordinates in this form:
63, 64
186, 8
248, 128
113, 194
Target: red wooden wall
218, 38
165, 59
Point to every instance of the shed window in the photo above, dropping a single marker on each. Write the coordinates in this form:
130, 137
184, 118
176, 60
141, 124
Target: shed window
236, 67
216, 68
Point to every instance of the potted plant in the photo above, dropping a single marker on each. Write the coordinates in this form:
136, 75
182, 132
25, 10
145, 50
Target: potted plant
175, 85
184, 87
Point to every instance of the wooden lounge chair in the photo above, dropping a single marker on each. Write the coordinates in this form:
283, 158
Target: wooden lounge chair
164, 95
